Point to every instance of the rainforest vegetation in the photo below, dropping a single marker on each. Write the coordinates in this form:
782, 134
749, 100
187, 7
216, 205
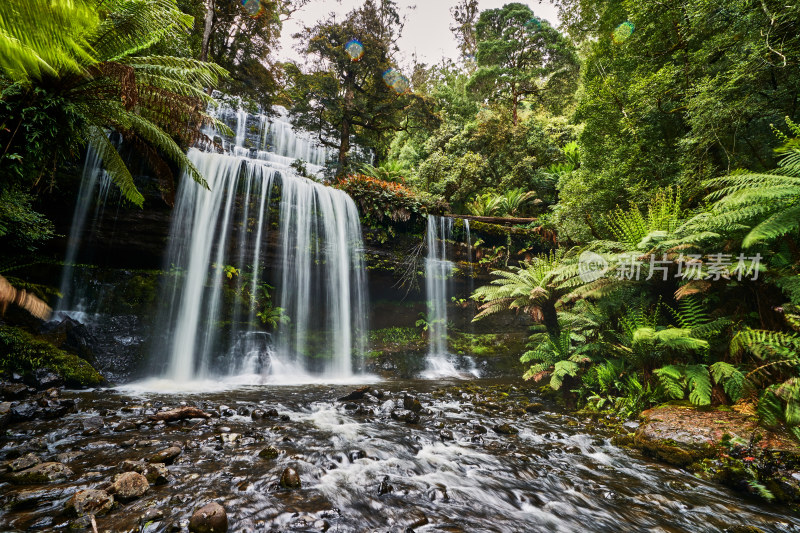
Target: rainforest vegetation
658, 142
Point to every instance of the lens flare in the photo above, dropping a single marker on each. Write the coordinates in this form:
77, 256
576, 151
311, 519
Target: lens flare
253, 7
622, 32
396, 81
534, 24
355, 49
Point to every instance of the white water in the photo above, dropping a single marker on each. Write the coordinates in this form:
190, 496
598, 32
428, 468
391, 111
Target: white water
318, 268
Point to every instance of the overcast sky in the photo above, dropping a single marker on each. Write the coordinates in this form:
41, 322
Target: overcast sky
427, 30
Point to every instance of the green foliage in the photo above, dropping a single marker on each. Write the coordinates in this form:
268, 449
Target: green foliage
382, 201
528, 288
688, 96
763, 206
20, 225
636, 230
23, 353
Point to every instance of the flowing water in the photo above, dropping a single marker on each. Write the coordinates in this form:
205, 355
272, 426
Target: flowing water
363, 469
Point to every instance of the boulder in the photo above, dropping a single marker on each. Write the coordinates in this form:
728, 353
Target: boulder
24, 411
90, 502
290, 479
211, 518
505, 429
405, 415
26, 461
166, 456
14, 391
269, 453
129, 486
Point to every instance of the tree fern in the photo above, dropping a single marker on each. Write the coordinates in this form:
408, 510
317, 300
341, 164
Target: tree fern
766, 204
86, 51
698, 382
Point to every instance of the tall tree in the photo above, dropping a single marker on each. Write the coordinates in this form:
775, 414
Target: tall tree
354, 92
520, 56
241, 36
465, 15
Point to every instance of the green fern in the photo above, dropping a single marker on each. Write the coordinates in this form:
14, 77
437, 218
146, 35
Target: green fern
730, 377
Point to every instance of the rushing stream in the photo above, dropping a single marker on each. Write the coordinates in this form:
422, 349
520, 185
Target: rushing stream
369, 465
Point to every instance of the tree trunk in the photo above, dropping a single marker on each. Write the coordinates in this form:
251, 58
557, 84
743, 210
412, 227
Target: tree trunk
514, 103
209, 23
344, 146
344, 139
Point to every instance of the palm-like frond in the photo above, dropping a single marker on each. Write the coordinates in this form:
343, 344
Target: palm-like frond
524, 288
37, 41
87, 49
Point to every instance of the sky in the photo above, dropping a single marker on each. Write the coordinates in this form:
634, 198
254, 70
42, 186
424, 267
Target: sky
426, 33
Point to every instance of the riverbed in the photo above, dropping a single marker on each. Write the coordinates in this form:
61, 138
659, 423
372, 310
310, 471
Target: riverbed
454, 456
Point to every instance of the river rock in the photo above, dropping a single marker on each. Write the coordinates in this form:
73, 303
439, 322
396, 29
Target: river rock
446, 434
211, 518
534, 408
26, 461
14, 391
166, 456
129, 486
181, 413
30, 498
505, 429
156, 473
45, 378
269, 453
412, 404
68, 457
41, 473
290, 479
405, 415
355, 395
92, 425
24, 411
90, 502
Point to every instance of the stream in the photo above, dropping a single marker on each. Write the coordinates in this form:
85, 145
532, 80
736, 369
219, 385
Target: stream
382, 463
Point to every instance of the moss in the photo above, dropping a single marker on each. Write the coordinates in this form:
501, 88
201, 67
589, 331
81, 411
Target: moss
23, 352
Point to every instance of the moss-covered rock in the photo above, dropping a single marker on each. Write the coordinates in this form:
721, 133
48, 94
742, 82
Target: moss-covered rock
24, 353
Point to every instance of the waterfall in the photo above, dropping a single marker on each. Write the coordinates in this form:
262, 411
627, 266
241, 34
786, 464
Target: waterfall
223, 248
438, 291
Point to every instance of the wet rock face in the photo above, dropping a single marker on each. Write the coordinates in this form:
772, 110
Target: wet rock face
90, 502
41, 473
211, 518
129, 486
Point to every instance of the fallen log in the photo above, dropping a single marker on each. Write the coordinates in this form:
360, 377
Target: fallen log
181, 413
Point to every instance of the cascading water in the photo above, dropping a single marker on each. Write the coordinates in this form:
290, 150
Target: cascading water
218, 248
438, 290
